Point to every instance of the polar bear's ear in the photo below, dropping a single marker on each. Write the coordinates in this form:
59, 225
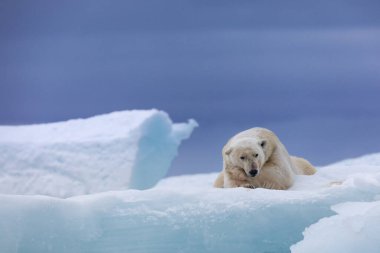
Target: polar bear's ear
228, 151
263, 143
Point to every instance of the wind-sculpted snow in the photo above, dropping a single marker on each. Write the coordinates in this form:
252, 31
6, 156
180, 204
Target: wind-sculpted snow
186, 214
354, 229
120, 150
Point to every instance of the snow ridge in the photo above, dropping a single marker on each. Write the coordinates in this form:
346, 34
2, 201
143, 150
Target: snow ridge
106, 152
186, 214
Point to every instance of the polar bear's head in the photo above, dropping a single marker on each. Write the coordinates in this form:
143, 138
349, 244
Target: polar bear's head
248, 154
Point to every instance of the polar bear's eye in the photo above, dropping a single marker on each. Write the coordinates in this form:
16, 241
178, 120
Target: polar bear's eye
262, 144
256, 155
242, 157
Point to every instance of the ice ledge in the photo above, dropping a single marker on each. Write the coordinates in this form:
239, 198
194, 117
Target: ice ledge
186, 214
355, 228
120, 150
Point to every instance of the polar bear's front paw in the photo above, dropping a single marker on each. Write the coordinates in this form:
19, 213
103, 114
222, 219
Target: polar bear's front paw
248, 186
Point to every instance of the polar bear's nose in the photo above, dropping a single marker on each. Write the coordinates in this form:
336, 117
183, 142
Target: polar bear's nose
253, 173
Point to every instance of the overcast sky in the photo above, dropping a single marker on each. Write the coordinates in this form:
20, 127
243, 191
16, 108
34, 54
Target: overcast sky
310, 70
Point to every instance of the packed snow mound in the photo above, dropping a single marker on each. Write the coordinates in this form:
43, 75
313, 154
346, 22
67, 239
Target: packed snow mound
186, 214
354, 229
120, 150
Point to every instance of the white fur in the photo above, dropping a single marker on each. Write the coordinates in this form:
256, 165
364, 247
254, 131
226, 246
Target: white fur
259, 149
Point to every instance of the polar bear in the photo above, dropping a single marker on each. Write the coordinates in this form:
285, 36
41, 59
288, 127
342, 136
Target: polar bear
257, 158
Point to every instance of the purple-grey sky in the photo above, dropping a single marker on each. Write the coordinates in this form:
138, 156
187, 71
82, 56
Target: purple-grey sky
309, 70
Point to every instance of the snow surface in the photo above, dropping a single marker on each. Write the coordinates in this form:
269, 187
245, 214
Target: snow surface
354, 229
186, 214
108, 152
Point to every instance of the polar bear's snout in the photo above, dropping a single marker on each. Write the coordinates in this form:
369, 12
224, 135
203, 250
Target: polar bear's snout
253, 172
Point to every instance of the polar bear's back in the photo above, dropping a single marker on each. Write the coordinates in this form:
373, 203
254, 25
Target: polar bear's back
256, 132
